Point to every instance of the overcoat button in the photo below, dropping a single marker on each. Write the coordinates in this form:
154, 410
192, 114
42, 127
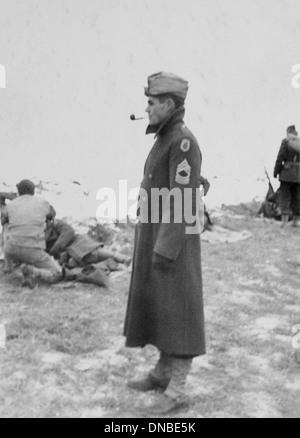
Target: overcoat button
150, 176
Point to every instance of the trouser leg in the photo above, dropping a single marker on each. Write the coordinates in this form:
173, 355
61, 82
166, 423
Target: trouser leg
8, 263
174, 397
101, 254
162, 372
284, 220
286, 198
43, 266
295, 201
47, 269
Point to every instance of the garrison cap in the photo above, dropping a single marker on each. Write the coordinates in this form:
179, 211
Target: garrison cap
292, 130
25, 186
166, 83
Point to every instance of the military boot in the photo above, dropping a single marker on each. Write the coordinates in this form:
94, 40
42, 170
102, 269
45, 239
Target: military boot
168, 405
95, 274
158, 378
70, 274
148, 383
284, 220
29, 279
296, 221
175, 397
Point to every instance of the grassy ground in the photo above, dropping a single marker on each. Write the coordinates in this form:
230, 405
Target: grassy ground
65, 354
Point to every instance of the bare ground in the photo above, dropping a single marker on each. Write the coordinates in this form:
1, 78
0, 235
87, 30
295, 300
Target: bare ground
65, 354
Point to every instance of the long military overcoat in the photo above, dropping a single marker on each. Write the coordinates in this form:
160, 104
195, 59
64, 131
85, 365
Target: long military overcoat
165, 308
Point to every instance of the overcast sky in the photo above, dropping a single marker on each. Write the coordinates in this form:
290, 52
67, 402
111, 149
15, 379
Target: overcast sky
75, 71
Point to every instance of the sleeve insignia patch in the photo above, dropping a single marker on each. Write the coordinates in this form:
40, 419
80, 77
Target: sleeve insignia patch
183, 173
185, 145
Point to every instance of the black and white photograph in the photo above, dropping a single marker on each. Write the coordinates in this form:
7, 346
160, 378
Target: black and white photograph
150, 211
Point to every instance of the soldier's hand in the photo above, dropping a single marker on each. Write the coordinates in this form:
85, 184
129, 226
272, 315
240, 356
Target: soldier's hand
206, 187
63, 258
205, 184
162, 263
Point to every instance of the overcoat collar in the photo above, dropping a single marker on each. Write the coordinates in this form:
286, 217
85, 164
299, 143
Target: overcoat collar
174, 117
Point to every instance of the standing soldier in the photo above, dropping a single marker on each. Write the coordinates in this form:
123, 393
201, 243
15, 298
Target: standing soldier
288, 168
165, 304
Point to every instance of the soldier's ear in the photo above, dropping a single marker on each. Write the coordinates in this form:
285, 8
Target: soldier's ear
170, 104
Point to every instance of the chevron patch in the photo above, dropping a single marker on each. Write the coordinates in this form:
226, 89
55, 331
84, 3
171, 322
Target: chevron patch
185, 145
183, 173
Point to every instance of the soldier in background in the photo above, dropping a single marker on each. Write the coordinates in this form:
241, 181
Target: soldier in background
25, 219
77, 250
287, 167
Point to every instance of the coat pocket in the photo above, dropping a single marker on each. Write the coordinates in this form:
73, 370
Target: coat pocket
290, 172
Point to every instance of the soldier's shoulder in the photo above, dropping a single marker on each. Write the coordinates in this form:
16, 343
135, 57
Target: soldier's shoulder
186, 140
13, 202
39, 200
186, 131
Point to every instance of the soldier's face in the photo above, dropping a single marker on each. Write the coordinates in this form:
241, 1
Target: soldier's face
157, 111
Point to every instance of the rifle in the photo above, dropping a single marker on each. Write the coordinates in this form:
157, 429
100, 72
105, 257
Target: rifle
270, 184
